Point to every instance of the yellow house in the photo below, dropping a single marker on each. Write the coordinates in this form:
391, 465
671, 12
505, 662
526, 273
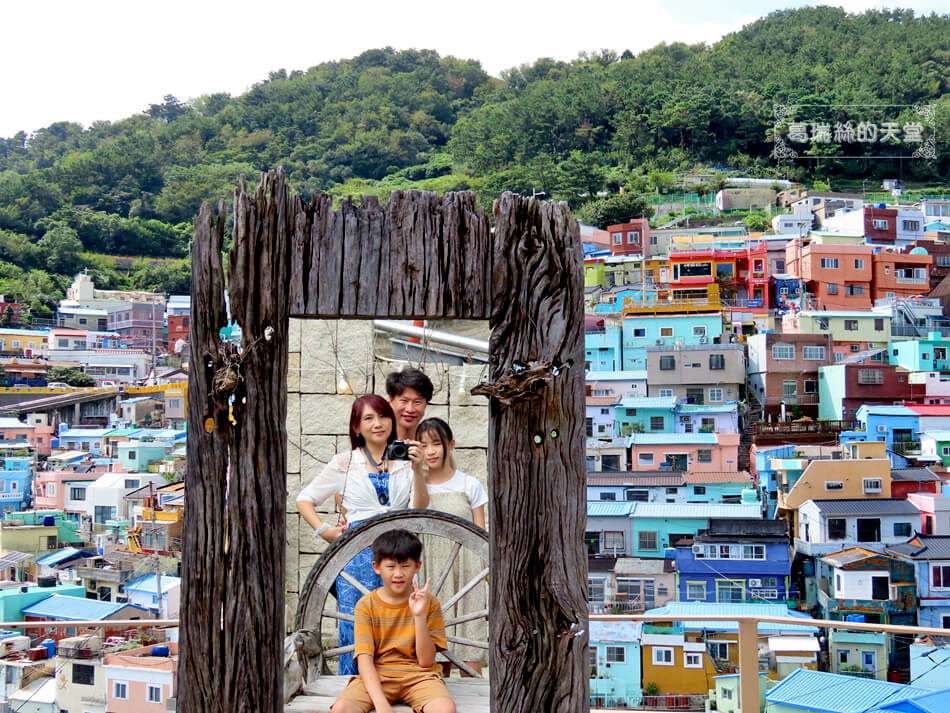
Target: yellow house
28, 538
23, 342
865, 473
674, 662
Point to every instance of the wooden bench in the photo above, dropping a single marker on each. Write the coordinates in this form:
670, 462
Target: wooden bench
470, 695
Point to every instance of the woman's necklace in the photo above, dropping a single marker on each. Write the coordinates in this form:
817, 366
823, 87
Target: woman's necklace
369, 457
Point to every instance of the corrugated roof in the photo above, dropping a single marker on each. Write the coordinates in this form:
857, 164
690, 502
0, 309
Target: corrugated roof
836, 693
626, 632
914, 474
871, 506
741, 476
849, 556
64, 555
882, 410
630, 375
937, 435
148, 584
13, 558
59, 606
663, 402
602, 400
737, 609
925, 547
696, 510
634, 479
608, 508
659, 439
707, 408
930, 409
933, 702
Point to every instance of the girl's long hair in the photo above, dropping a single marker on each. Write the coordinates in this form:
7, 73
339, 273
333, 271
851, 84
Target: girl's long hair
441, 431
380, 406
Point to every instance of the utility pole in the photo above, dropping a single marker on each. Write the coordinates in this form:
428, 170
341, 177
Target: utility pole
158, 563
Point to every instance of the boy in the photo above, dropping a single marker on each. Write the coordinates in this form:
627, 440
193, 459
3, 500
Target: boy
398, 629
409, 391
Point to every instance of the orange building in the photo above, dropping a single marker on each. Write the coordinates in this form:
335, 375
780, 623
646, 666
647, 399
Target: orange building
838, 276
629, 238
898, 274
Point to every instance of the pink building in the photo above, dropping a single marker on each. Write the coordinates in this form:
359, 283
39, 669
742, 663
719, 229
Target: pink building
137, 682
693, 452
934, 513
62, 490
38, 436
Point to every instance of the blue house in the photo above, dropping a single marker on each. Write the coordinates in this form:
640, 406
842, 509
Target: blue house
80, 438
928, 354
735, 561
898, 426
602, 345
657, 527
930, 555
615, 671
768, 484
653, 414
642, 331
15, 479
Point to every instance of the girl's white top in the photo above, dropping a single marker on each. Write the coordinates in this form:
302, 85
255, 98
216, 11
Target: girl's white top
461, 483
347, 473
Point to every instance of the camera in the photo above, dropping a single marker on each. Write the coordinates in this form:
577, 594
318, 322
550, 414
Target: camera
397, 450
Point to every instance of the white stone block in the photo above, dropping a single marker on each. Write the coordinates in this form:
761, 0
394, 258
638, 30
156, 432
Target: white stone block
470, 426
318, 359
325, 413
293, 433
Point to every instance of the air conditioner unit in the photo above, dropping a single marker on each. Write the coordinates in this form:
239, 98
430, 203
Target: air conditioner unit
702, 340
659, 342
755, 582
698, 549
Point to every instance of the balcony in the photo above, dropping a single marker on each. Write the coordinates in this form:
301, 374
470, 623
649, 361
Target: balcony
906, 448
902, 280
794, 399
101, 575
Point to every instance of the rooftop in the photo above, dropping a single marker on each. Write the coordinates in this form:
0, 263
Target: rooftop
149, 585
701, 511
615, 631
609, 508
925, 547
836, 693
57, 606
874, 506
662, 402
661, 439
659, 478
914, 474
735, 609
631, 375
930, 409
697, 478
851, 555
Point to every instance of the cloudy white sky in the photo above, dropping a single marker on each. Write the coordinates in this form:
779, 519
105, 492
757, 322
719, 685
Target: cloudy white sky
107, 59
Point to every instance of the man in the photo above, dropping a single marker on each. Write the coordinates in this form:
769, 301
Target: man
409, 391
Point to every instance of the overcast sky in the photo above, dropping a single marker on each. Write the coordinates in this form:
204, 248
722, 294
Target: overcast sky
107, 59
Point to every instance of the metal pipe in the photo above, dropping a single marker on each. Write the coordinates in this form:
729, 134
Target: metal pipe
431, 335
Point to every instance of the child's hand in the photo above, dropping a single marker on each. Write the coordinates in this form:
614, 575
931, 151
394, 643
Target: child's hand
417, 600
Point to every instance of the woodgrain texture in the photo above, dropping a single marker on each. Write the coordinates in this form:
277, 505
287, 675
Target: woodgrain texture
539, 563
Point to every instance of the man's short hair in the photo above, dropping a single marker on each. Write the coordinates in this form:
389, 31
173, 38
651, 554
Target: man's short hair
399, 545
409, 378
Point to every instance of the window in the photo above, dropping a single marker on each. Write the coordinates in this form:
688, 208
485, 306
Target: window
858, 263
832, 288
647, 540
637, 496
789, 388
77, 493
715, 395
870, 376
657, 423
727, 693
618, 238
640, 332
901, 529
851, 325
645, 458
783, 351
811, 386
829, 263
872, 485
662, 656
693, 660
615, 654
155, 694
699, 331
844, 656
730, 591
780, 266
837, 528
718, 650
854, 290
604, 411
667, 363
912, 225
84, 674
695, 591
704, 455
699, 490
878, 325
879, 224
834, 485
592, 660
855, 347
813, 353
613, 540
665, 393
51, 490
131, 482
120, 689
940, 353
607, 496
940, 576
595, 587
717, 362
666, 331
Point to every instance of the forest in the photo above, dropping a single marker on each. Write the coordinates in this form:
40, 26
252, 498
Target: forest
581, 131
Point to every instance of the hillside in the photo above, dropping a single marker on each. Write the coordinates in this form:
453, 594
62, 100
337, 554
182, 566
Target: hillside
389, 119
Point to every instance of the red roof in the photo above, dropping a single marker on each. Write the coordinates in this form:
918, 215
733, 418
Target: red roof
929, 409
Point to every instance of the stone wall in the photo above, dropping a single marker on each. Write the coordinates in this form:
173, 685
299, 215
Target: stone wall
332, 362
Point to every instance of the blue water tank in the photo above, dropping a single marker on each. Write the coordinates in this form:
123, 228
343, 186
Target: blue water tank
49, 521
160, 651
882, 205
50, 647
860, 618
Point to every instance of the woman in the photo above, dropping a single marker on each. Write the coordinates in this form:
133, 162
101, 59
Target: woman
462, 495
369, 485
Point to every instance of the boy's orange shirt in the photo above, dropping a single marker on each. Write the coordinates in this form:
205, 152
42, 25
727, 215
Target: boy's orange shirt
387, 632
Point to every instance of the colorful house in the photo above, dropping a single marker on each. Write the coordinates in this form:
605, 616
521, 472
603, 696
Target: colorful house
844, 388
707, 418
603, 350
858, 653
827, 526
727, 487
137, 681
628, 238
934, 513
783, 372
735, 560
642, 331
838, 277
929, 555
616, 383
645, 415
698, 373
851, 332
615, 664
808, 691
699, 452
897, 274
15, 482
914, 481
928, 354
600, 419
655, 487
657, 527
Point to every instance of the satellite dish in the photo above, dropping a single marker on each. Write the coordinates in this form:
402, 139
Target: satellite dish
179, 345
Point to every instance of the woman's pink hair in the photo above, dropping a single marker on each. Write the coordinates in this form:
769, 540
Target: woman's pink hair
380, 406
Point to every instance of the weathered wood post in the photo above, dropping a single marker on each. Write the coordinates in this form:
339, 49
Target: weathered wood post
236, 488
538, 495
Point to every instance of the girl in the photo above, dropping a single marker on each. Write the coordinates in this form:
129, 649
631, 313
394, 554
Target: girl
460, 494
369, 485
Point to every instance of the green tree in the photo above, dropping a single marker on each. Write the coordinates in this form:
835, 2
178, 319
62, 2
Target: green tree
615, 209
62, 247
756, 222
69, 375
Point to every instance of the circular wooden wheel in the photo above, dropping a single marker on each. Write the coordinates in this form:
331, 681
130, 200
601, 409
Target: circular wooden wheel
317, 604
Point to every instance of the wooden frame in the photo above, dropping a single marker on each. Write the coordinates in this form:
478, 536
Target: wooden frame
420, 256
